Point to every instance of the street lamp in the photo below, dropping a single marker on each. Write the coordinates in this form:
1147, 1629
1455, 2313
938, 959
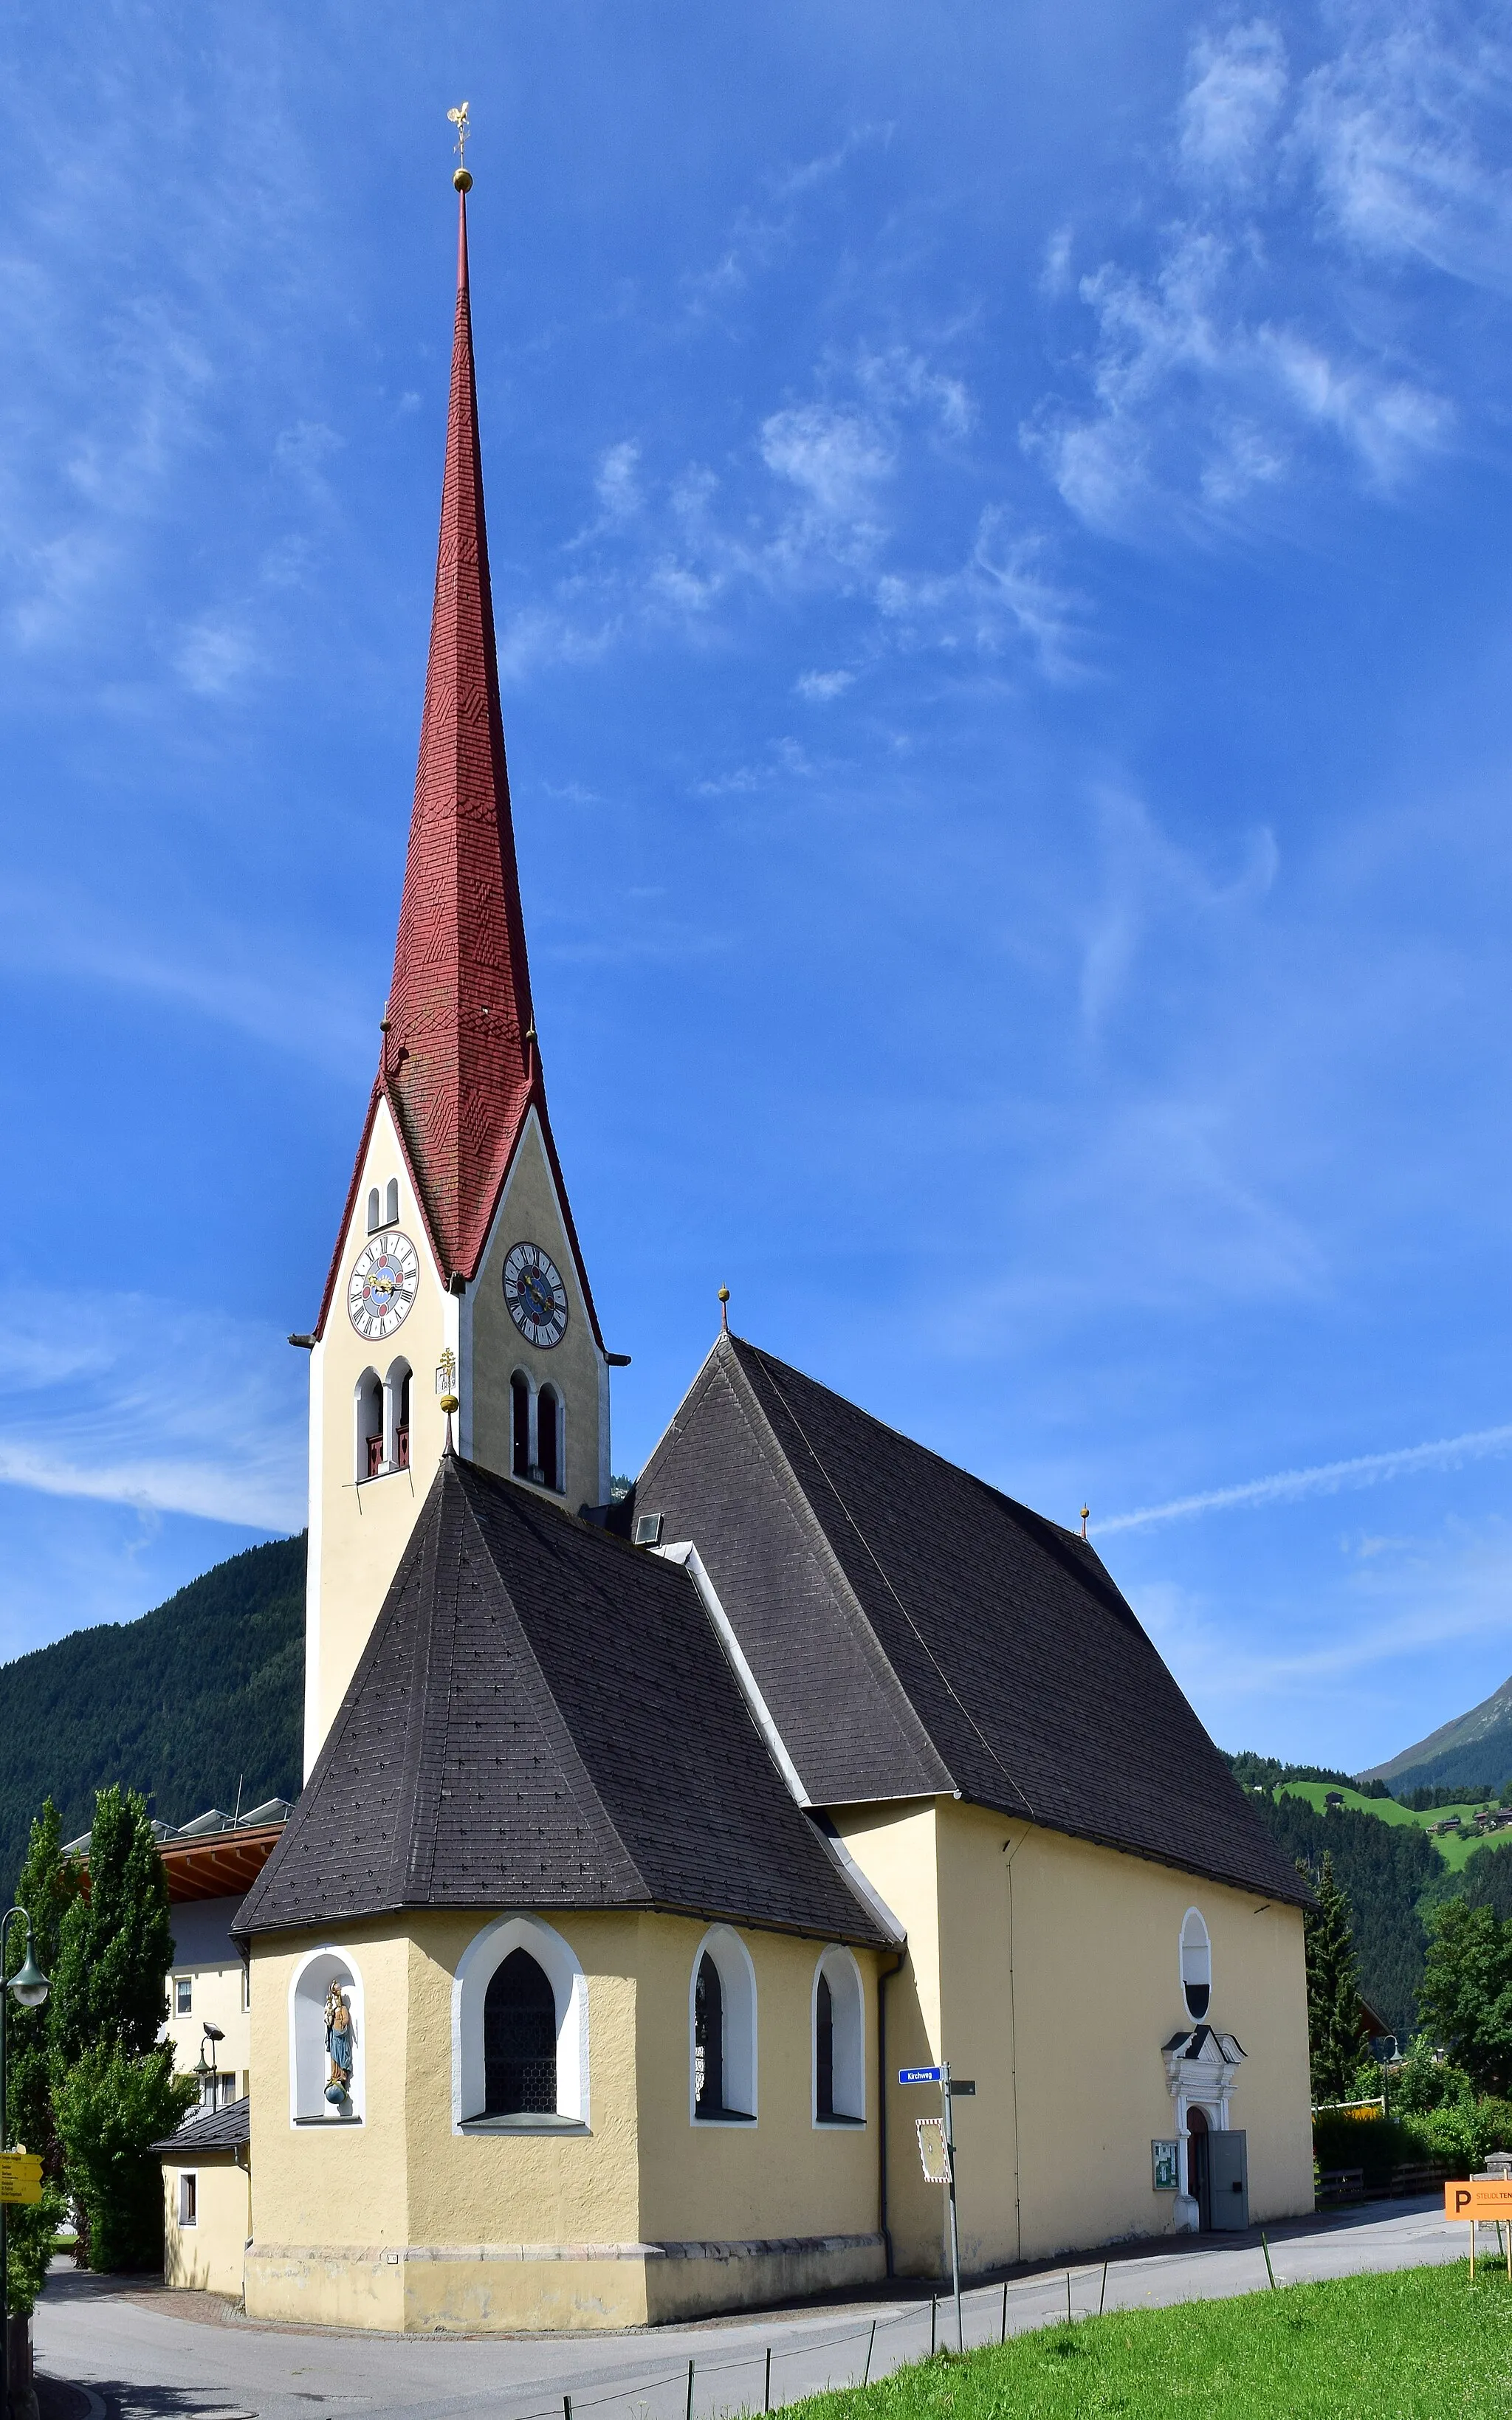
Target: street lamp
204, 2072
30, 1987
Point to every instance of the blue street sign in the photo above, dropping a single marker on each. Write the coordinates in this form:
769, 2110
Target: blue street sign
918, 2076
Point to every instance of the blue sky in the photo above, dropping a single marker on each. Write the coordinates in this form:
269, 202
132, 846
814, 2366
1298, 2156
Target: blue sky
999, 525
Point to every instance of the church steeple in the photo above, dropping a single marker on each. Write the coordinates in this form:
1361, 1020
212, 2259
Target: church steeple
459, 1058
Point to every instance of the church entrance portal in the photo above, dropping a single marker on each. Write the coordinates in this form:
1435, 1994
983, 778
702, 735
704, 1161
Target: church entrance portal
1199, 2179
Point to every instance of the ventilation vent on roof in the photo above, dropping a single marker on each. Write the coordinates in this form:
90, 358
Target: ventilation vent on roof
648, 1529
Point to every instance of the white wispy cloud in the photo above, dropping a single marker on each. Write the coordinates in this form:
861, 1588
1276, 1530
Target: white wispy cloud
1320, 1478
1237, 82
110, 1399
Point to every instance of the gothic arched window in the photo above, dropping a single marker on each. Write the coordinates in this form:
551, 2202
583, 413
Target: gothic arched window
722, 2027
519, 1425
708, 2041
839, 2042
519, 2039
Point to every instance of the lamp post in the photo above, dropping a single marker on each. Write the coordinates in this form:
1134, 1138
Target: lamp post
30, 1987
205, 2073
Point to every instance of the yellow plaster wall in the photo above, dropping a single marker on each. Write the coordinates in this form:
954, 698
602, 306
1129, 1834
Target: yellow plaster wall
784, 2175
207, 2255
1058, 2006
404, 2222
528, 1214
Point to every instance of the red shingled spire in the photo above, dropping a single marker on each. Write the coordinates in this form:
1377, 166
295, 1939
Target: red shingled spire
458, 1062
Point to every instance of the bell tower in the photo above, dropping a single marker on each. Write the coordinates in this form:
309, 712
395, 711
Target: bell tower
456, 1264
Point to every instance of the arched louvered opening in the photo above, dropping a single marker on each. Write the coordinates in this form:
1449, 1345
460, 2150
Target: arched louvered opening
391, 1202
519, 2039
374, 1214
519, 1425
549, 1435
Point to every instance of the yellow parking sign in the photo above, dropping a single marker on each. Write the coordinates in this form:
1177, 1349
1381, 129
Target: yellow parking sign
20, 2175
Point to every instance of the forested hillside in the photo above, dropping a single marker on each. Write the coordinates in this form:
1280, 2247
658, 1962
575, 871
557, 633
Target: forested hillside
1386, 1870
179, 1704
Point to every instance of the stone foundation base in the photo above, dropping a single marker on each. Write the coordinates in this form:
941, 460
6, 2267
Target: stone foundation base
489, 2288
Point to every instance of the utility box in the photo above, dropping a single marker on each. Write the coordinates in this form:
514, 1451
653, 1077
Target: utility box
1228, 2179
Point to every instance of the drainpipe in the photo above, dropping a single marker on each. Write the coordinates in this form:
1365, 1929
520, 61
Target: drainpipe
885, 1976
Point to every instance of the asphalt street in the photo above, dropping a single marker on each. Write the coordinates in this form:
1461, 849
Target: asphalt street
141, 2353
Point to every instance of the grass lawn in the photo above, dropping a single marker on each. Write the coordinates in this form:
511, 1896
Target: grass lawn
1418, 2345
1452, 1847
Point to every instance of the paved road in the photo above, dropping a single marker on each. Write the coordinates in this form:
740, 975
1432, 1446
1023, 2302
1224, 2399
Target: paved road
141, 2359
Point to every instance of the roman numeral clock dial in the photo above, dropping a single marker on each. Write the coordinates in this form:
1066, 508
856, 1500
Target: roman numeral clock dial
537, 1298
383, 1286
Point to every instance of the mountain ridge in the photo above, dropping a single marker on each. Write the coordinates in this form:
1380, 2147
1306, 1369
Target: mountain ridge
1475, 1749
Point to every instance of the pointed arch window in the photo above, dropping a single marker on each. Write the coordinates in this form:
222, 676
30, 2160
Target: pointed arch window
839, 2040
519, 2039
722, 2015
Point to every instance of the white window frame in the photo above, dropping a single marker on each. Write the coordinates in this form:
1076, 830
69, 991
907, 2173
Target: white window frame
476, 1969
739, 2063
307, 1987
847, 2006
1206, 1950
188, 2190
182, 2007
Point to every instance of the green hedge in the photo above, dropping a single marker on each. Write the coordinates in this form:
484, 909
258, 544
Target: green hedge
1460, 2136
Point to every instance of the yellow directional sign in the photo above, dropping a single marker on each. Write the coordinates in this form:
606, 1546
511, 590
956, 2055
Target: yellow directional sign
20, 2175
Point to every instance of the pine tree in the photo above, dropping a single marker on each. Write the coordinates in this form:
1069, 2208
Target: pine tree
1334, 2025
47, 1888
113, 2089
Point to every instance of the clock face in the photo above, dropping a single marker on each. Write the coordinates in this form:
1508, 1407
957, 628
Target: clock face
381, 1286
536, 1295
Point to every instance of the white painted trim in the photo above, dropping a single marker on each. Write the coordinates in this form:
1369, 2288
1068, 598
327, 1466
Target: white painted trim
475, 1968
836, 1959
723, 1944
687, 1556
341, 1960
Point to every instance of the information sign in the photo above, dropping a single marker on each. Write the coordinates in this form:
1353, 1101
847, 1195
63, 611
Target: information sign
20, 2175
918, 2076
1472, 2200
963, 2090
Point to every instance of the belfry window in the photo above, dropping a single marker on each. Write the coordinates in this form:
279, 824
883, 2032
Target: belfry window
549, 1434
519, 1425
374, 1214
1196, 1966
369, 1425
397, 1417
391, 1202
519, 2039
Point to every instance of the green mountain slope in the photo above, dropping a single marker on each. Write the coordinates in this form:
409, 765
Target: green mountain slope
1392, 1871
179, 1704
1475, 1749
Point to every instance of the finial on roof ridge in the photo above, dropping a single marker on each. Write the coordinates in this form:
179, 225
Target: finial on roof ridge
462, 174
724, 1310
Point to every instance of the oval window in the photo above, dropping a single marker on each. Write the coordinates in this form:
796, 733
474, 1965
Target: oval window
1196, 1966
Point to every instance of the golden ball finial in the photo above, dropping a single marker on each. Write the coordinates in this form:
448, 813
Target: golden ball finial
462, 179
724, 1294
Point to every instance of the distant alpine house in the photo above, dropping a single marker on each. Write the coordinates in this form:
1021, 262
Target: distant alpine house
643, 1843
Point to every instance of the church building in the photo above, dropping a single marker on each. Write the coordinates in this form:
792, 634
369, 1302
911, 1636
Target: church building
642, 1844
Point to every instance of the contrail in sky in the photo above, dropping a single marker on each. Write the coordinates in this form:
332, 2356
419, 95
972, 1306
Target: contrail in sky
1323, 1479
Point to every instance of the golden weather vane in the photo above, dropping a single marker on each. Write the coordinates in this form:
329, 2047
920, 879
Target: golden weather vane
461, 176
